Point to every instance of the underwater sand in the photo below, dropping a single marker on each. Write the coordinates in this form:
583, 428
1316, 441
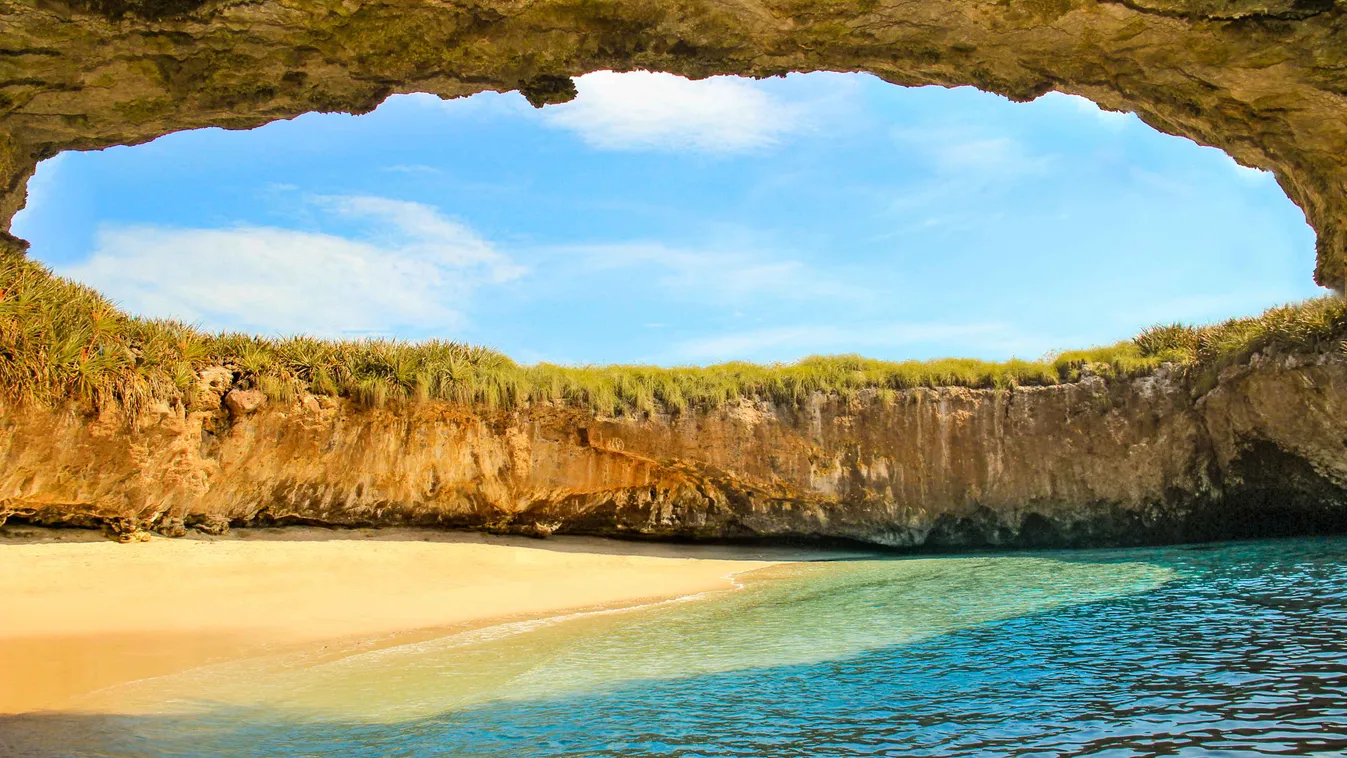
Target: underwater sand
79, 616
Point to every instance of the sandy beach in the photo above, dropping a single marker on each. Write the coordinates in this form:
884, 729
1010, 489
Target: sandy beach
81, 615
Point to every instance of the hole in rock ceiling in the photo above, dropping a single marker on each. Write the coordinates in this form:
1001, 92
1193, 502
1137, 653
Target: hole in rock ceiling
659, 220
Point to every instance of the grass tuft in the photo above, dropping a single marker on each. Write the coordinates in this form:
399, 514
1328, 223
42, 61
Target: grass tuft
61, 341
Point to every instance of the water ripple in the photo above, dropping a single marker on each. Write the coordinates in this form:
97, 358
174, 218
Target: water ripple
1237, 650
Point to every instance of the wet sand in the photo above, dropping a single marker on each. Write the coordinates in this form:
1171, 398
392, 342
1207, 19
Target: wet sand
77, 616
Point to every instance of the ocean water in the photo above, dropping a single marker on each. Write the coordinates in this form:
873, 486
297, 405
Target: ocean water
1236, 649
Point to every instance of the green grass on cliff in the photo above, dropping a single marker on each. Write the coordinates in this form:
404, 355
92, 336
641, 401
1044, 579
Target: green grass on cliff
62, 341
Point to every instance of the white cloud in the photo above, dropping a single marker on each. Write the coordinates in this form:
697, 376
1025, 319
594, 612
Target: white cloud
412, 168
42, 194
481, 104
642, 109
726, 275
1249, 173
799, 341
419, 231
413, 270
968, 151
1114, 119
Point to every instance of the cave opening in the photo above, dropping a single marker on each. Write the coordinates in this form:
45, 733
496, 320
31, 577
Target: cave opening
660, 220
917, 253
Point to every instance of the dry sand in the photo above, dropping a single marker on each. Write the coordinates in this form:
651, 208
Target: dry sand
78, 616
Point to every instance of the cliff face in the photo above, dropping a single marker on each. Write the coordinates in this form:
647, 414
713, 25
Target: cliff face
1263, 80
1091, 463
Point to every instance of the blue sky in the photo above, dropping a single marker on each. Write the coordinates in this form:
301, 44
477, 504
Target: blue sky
659, 220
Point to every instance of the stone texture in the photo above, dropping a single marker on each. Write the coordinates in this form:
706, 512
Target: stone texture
1264, 80
1092, 463
243, 402
212, 384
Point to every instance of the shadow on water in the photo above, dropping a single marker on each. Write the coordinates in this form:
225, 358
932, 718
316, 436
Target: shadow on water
1175, 651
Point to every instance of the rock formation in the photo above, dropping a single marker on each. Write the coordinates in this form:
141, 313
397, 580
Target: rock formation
1100, 461
1264, 80
1164, 458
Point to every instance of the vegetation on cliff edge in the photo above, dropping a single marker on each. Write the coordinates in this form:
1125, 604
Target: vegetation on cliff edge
63, 341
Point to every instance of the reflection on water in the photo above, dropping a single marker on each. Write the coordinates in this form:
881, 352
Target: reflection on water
1240, 648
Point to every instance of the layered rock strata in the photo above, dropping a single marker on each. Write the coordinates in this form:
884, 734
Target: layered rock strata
1164, 458
1264, 80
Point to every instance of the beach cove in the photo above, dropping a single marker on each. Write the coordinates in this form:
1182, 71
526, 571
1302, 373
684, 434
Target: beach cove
1195, 649
84, 613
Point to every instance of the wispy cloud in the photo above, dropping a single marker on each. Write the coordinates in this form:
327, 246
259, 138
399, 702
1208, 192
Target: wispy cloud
790, 342
645, 110
731, 275
963, 169
413, 168
972, 153
1112, 119
408, 269
1250, 174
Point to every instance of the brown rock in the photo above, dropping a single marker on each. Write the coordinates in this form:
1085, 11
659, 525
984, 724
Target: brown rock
171, 528
538, 530
1261, 79
208, 523
1161, 458
243, 402
212, 383
216, 379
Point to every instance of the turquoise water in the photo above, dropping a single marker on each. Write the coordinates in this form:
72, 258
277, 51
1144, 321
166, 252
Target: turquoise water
1228, 650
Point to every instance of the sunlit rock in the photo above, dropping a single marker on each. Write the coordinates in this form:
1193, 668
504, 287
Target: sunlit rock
1167, 457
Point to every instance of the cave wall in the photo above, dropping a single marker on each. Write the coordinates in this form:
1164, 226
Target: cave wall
1264, 80
1157, 459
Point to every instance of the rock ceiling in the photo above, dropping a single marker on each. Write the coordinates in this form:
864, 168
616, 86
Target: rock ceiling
1264, 80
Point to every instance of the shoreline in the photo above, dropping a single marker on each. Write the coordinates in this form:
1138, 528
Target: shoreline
86, 615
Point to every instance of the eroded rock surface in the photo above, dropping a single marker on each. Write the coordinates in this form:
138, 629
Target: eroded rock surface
1094, 462
1156, 459
1265, 80
243, 402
